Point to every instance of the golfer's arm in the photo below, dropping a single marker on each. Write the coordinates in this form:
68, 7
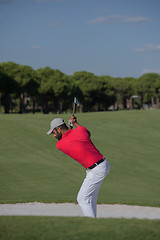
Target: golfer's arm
77, 125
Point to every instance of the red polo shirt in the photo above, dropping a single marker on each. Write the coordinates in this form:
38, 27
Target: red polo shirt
77, 144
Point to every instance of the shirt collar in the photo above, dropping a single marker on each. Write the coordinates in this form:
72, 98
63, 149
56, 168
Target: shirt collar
66, 133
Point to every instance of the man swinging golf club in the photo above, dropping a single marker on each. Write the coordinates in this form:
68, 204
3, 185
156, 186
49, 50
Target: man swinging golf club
77, 144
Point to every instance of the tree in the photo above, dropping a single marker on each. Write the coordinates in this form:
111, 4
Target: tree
62, 89
128, 90
55, 91
27, 79
7, 86
116, 83
22, 75
157, 89
103, 95
31, 88
124, 89
45, 86
149, 86
85, 81
55, 88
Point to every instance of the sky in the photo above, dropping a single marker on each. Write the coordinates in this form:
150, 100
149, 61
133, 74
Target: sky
119, 38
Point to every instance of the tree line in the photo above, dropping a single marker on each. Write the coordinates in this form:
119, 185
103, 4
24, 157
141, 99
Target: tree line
23, 89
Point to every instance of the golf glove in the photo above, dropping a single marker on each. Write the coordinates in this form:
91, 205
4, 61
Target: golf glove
70, 124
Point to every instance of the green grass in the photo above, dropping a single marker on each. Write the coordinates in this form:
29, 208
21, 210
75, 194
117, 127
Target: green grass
42, 228
32, 169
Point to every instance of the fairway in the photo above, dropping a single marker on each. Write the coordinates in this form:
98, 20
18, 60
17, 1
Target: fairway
50, 228
32, 169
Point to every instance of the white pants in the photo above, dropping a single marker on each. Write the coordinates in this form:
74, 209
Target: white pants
87, 196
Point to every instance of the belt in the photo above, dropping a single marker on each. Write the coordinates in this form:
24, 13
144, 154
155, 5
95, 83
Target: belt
97, 163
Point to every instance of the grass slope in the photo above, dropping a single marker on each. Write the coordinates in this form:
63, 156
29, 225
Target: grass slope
42, 228
32, 169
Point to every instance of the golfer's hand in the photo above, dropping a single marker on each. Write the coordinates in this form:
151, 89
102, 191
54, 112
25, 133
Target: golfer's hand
73, 119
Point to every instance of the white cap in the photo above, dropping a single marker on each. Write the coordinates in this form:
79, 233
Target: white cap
55, 123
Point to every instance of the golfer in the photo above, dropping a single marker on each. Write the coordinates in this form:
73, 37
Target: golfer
77, 144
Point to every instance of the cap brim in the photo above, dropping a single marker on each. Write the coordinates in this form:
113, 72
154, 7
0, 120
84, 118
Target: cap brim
50, 131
